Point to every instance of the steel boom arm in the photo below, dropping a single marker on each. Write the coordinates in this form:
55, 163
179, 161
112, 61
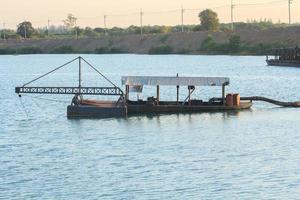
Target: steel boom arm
71, 90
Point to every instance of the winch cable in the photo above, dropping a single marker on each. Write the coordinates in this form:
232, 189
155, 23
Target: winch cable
36, 103
23, 107
48, 99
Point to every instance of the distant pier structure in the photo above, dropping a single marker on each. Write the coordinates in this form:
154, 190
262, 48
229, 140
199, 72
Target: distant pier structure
284, 57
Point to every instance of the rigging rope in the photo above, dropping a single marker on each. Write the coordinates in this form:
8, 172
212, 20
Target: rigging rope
99, 72
50, 72
24, 109
47, 99
67, 64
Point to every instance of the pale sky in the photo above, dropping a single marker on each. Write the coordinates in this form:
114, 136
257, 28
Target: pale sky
91, 12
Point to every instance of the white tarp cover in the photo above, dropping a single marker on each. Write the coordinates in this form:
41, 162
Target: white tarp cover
136, 88
183, 81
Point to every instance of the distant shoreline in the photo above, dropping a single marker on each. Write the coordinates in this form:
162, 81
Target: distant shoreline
242, 42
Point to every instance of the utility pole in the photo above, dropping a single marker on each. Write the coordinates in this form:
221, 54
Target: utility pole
4, 37
182, 12
141, 21
76, 33
25, 30
290, 2
232, 7
104, 21
48, 27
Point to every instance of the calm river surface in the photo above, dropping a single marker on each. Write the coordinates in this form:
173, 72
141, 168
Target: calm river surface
247, 155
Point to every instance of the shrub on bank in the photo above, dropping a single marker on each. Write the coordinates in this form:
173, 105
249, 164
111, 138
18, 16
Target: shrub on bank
63, 50
235, 46
29, 50
161, 49
7, 51
184, 51
107, 50
22, 50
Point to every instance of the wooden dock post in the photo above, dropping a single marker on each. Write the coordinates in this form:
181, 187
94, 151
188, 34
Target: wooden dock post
177, 94
189, 87
223, 94
157, 94
127, 92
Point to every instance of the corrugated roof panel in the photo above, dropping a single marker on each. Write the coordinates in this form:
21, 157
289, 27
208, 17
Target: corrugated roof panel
183, 81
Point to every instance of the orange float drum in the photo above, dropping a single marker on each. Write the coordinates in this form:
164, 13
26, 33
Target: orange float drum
236, 99
229, 100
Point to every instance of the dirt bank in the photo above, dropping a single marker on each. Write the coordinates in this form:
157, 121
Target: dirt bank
189, 41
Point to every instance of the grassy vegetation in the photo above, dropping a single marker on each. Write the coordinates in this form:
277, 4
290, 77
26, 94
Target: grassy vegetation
161, 49
235, 46
63, 50
109, 50
22, 50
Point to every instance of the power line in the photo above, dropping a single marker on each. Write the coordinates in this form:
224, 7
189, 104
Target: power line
262, 3
163, 11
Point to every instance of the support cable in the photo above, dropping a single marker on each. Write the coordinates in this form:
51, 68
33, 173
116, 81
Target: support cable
99, 72
50, 72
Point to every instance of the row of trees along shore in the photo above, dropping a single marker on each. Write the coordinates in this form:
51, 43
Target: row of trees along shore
208, 22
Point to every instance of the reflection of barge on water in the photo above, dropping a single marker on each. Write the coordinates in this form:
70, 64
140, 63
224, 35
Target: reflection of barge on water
81, 107
284, 57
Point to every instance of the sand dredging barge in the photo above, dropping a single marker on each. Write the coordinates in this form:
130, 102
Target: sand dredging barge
123, 106
284, 57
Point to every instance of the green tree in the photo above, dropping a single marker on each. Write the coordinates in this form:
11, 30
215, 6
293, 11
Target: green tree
209, 20
89, 32
209, 44
25, 29
234, 43
70, 22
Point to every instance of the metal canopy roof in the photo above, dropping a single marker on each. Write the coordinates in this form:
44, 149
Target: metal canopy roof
166, 80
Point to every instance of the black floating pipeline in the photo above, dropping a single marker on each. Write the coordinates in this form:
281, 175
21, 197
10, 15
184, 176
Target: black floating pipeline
272, 101
295, 104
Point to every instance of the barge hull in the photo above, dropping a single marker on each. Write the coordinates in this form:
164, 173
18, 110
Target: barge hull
94, 111
283, 63
148, 109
